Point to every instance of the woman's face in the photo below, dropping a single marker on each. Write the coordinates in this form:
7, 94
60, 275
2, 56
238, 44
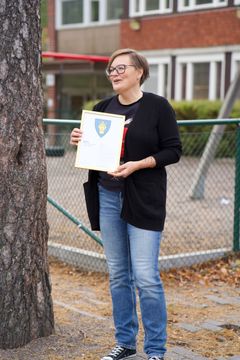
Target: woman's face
124, 76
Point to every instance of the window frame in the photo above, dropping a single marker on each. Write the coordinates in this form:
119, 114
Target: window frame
193, 6
142, 8
161, 62
86, 16
189, 61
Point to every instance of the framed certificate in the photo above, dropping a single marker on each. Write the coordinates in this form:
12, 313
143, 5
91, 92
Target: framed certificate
100, 146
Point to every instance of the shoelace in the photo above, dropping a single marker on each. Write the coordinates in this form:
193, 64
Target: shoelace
116, 351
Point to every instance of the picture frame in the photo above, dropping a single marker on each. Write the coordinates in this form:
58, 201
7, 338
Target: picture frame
100, 146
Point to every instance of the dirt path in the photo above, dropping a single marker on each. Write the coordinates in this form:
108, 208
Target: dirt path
203, 307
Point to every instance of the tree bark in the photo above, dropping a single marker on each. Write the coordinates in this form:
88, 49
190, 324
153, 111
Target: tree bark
26, 310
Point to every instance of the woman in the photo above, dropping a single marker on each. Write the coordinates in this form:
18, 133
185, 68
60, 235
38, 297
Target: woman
130, 205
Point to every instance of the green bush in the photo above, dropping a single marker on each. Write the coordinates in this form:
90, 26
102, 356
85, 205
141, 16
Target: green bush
194, 138
90, 104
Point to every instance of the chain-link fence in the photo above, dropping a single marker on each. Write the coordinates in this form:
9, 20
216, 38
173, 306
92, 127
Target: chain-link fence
202, 219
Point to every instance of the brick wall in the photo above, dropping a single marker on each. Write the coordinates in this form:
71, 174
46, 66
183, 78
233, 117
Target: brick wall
193, 29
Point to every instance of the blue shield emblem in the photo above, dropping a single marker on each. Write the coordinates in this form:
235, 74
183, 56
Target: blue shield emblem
102, 126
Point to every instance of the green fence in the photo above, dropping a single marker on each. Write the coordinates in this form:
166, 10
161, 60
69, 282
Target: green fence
197, 227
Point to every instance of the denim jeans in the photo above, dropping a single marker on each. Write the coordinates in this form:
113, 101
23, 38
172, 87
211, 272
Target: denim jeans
132, 258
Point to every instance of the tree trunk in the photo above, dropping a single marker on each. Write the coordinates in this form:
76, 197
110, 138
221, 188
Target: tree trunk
26, 310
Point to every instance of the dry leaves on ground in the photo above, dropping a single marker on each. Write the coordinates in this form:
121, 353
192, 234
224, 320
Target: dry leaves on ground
226, 270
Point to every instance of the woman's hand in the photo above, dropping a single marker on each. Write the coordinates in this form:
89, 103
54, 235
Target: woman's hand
76, 136
129, 167
125, 170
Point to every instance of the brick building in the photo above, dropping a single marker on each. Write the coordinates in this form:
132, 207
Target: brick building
192, 46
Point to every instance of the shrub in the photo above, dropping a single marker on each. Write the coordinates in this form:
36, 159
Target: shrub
194, 138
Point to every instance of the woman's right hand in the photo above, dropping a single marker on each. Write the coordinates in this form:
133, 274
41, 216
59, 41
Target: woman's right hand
76, 136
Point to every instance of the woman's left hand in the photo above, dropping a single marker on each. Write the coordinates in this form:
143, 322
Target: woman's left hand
126, 169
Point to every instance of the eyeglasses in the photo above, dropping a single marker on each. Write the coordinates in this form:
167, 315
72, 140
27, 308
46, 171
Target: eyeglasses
120, 69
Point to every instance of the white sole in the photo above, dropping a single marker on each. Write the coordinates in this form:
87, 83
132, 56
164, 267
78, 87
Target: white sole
128, 357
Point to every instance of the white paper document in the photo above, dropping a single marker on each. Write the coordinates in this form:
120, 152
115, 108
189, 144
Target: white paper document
100, 146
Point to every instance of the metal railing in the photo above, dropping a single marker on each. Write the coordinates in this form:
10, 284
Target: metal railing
195, 230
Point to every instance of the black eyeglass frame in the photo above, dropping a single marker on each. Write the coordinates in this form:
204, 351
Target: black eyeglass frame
109, 71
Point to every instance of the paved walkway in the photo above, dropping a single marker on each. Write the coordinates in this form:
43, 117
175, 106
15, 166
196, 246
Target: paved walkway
179, 353
196, 313
203, 321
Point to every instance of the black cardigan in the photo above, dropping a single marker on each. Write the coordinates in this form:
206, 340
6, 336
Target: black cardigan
153, 132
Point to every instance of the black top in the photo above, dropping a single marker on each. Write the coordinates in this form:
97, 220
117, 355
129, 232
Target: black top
115, 107
153, 132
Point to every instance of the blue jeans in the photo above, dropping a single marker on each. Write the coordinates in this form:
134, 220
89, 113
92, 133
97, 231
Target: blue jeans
132, 258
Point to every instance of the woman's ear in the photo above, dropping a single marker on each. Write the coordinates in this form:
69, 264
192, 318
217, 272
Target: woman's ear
140, 73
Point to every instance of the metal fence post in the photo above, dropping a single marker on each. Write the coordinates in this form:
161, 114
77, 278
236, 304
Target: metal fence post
236, 232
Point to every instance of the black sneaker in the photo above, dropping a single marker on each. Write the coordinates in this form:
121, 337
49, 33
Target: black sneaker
120, 352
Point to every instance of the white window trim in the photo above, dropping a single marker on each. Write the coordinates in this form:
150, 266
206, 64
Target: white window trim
160, 83
191, 51
193, 6
86, 16
189, 61
162, 8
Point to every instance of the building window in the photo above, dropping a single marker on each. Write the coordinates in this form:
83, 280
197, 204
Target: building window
165, 81
151, 84
238, 69
199, 77
146, 7
236, 2
218, 79
152, 5
114, 9
186, 5
136, 6
235, 67
183, 81
238, 65
201, 80
80, 13
94, 10
72, 12
158, 81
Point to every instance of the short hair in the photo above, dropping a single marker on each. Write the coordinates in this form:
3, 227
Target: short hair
138, 60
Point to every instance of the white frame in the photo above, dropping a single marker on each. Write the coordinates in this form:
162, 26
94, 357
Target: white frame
194, 6
161, 10
100, 151
189, 60
86, 16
